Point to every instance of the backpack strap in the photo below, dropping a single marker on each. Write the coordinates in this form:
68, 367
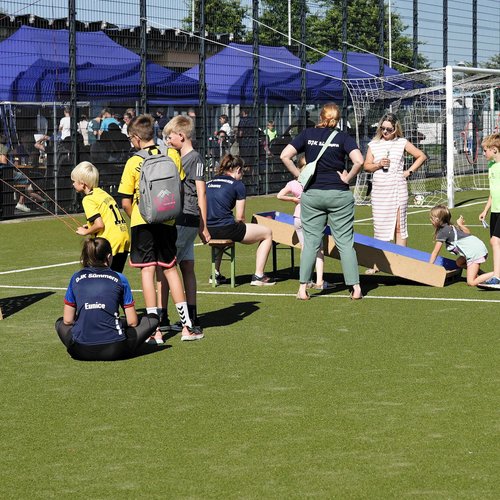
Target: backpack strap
146, 153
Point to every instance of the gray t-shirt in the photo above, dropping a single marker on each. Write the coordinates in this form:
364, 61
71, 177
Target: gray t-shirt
446, 234
193, 166
468, 245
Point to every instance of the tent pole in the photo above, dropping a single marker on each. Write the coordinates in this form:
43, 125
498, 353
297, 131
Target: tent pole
55, 159
266, 138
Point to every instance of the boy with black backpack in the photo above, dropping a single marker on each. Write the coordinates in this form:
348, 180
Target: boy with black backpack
152, 244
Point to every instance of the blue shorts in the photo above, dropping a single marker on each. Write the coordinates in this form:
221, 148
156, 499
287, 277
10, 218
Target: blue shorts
20, 178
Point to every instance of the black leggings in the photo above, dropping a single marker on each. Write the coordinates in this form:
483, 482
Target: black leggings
135, 337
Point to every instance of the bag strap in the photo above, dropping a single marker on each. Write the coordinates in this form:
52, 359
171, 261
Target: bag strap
146, 153
326, 144
455, 241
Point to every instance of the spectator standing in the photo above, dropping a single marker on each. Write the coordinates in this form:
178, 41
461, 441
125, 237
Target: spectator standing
328, 199
385, 159
93, 130
65, 124
83, 129
247, 136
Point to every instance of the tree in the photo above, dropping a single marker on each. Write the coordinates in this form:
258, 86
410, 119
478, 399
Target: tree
493, 62
274, 19
324, 29
221, 16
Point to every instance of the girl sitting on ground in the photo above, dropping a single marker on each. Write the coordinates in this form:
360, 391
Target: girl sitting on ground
471, 250
91, 327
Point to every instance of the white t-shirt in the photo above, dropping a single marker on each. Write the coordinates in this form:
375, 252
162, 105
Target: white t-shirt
65, 127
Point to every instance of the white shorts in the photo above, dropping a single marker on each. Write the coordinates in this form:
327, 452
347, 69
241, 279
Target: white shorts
185, 242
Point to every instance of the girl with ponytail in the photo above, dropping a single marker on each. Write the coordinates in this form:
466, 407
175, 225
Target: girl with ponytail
91, 327
225, 192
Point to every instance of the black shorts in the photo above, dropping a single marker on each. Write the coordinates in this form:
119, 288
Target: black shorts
495, 224
235, 232
119, 261
153, 245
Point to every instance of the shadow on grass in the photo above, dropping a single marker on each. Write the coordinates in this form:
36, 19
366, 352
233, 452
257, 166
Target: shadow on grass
470, 200
223, 317
228, 315
147, 349
12, 305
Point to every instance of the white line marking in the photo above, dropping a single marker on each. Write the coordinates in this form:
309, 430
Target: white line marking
425, 210
40, 267
256, 294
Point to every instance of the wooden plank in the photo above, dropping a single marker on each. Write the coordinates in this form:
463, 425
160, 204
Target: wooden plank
388, 259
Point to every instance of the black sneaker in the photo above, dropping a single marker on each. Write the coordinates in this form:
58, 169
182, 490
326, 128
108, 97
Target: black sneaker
264, 280
219, 279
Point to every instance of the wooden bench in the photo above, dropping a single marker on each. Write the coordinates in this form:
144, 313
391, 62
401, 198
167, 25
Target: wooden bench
223, 248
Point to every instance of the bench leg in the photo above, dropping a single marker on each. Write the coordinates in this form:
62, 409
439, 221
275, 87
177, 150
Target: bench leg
215, 253
233, 266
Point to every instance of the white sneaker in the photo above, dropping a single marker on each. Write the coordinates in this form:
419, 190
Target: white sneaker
195, 333
22, 207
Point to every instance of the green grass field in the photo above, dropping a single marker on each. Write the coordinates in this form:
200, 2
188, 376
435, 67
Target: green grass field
394, 396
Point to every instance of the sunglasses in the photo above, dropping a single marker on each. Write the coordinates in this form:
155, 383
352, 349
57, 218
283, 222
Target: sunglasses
387, 129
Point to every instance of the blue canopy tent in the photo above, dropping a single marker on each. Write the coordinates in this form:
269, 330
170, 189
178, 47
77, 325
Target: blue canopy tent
329, 87
37, 70
48, 81
229, 75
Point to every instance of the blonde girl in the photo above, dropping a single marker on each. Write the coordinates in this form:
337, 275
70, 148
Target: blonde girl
458, 240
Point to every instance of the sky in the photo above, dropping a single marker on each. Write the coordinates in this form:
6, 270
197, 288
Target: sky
169, 14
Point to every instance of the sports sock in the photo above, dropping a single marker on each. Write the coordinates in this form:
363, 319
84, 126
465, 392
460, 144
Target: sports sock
182, 310
152, 310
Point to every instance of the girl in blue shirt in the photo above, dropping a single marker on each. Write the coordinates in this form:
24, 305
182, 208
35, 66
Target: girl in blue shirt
91, 327
225, 192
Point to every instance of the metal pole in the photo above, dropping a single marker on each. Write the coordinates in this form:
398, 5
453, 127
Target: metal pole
54, 156
72, 78
143, 54
192, 16
255, 89
202, 144
381, 36
450, 157
345, 96
492, 110
445, 32
289, 22
303, 64
415, 34
390, 34
474, 33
